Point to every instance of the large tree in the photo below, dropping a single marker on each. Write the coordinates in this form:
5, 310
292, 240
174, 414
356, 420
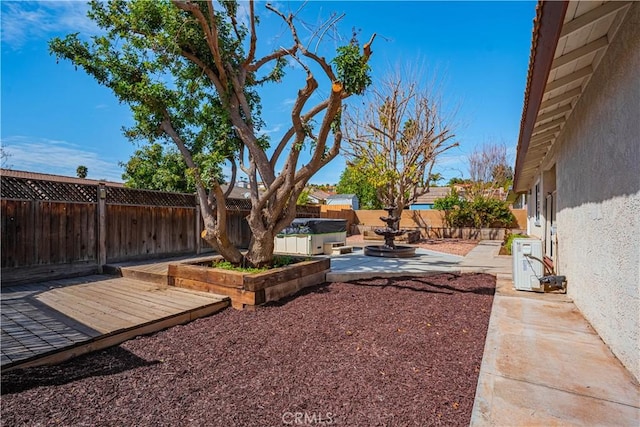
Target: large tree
153, 167
396, 136
353, 180
82, 171
191, 72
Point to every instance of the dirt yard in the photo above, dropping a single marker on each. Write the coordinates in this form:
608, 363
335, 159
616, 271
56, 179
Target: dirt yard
379, 352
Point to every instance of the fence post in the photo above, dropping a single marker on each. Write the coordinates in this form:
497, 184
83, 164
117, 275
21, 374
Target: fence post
198, 229
37, 235
102, 227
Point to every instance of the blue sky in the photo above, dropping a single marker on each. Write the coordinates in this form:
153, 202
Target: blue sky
55, 118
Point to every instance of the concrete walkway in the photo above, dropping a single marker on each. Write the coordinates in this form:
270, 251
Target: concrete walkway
543, 365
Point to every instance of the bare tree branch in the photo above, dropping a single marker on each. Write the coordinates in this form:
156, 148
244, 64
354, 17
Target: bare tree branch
401, 131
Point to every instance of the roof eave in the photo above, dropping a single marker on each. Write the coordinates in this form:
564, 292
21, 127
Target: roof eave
547, 28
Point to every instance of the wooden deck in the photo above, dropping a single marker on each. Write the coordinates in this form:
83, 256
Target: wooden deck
154, 271
53, 321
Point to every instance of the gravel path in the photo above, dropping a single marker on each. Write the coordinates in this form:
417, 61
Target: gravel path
378, 352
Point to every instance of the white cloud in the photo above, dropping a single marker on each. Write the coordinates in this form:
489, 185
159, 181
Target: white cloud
23, 21
276, 128
57, 157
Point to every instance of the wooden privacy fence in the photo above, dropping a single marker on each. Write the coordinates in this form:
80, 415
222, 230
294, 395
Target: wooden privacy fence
54, 229
340, 212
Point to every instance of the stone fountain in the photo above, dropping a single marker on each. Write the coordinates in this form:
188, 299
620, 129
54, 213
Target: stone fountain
390, 232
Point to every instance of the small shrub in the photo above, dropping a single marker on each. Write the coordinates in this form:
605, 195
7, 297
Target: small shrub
480, 212
489, 212
226, 265
283, 260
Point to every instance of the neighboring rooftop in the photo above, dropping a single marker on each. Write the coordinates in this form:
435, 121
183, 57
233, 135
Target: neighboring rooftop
433, 194
320, 195
340, 196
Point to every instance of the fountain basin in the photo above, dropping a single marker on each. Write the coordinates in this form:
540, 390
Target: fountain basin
387, 252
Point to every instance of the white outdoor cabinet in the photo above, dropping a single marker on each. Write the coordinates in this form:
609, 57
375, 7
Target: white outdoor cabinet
526, 270
307, 244
307, 236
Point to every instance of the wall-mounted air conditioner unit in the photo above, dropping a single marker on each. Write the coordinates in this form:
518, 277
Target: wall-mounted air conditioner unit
526, 269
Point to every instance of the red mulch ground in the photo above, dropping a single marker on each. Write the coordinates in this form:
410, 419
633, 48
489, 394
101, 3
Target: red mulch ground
379, 352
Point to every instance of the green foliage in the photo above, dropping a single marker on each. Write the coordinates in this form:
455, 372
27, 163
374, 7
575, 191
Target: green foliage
82, 171
226, 265
137, 57
154, 168
490, 212
278, 261
509, 241
457, 180
283, 261
354, 180
449, 202
303, 198
434, 178
481, 212
352, 68
323, 187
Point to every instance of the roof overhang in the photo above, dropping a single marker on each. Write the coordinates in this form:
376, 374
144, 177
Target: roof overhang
569, 40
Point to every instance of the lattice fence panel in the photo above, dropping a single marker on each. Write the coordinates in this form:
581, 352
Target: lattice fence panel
131, 196
238, 204
34, 189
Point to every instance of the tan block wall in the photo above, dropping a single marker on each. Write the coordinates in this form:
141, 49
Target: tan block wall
422, 219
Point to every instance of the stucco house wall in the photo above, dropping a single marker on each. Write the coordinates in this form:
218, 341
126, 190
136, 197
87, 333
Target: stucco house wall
597, 176
535, 213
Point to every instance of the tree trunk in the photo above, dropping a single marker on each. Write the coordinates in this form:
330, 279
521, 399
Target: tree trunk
215, 233
261, 248
263, 235
262, 245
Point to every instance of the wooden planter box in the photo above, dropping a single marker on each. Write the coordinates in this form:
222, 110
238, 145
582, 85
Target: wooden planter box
248, 290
